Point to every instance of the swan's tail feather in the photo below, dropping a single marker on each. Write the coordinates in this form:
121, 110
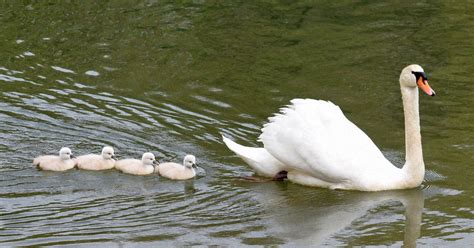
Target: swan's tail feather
258, 158
248, 154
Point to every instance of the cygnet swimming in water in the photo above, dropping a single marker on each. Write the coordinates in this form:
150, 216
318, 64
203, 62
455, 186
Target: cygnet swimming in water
137, 167
104, 161
63, 162
177, 171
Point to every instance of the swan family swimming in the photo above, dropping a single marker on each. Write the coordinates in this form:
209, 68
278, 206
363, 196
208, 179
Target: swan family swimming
106, 160
310, 142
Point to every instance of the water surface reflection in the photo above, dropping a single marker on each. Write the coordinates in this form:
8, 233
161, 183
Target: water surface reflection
344, 218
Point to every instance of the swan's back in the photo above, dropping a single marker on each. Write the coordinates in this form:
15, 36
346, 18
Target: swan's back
315, 138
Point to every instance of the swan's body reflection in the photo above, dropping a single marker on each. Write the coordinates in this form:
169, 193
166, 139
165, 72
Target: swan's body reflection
310, 217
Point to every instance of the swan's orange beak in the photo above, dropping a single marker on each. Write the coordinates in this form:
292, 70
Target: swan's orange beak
423, 84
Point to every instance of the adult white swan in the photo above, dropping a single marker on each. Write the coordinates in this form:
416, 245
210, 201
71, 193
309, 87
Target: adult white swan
312, 143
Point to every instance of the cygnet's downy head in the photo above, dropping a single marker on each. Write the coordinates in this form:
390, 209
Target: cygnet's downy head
108, 152
148, 158
190, 161
65, 153
413, 76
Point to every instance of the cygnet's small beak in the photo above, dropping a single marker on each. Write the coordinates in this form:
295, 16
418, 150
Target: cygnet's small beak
194, 165
113, 157
155, 162
423, 85
72, 156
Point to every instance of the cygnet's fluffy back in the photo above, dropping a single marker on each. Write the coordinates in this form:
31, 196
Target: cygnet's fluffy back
104, 161
177, 171
145, 166
63, 162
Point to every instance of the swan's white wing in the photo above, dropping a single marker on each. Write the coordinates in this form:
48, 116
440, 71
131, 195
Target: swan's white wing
315, 138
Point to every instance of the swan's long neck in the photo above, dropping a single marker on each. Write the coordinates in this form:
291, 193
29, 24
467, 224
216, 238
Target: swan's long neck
414, 168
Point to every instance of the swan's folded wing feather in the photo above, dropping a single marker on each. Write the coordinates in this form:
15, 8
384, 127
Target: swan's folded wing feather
314, 137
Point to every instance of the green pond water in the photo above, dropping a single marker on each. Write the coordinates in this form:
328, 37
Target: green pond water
170, 77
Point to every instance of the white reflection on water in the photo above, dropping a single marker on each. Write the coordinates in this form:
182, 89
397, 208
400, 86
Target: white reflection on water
61, 69
313, 223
